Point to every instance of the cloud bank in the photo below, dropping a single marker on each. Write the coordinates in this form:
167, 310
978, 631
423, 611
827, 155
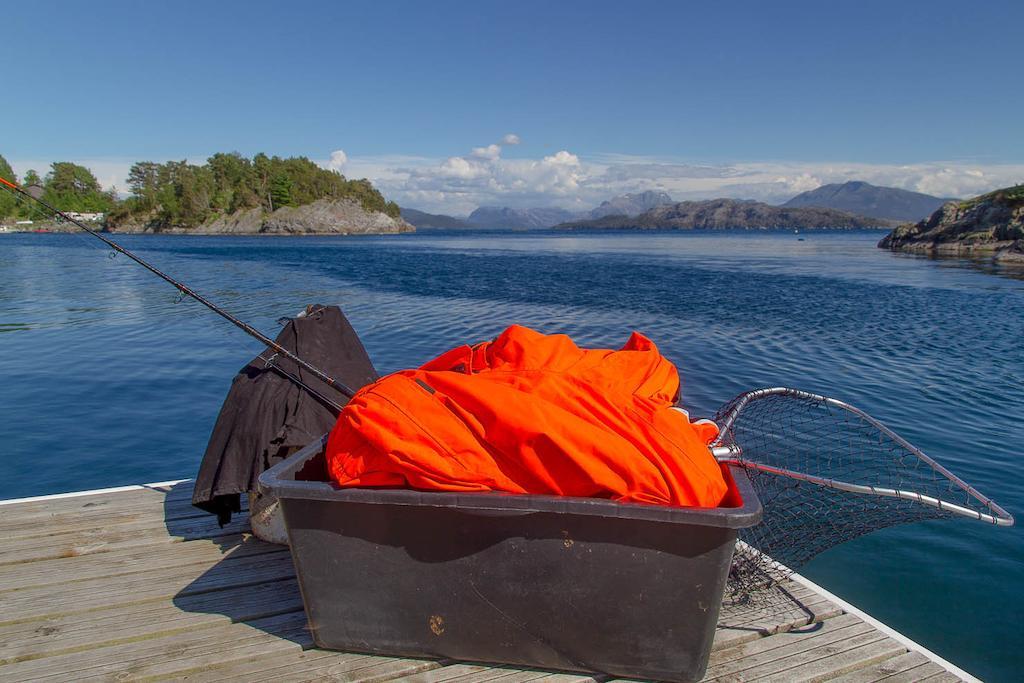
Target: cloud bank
487, 176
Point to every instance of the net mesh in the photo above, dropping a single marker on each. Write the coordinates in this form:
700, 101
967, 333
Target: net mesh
803, 434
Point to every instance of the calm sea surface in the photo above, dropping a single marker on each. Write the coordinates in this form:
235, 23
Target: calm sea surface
106, 380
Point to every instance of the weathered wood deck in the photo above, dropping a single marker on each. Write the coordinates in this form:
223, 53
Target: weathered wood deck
139, 585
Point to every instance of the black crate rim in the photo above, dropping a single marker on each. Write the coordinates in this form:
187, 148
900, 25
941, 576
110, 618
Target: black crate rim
280, 481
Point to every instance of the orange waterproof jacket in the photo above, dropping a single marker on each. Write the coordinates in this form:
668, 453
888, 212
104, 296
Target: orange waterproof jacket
531, 413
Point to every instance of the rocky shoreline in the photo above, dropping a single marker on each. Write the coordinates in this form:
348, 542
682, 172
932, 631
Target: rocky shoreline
989, 226
322, 217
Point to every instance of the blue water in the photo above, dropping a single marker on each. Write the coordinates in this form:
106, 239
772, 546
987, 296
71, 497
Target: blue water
107, 381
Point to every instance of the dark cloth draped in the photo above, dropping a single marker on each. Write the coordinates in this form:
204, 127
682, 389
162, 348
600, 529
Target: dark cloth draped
266, 416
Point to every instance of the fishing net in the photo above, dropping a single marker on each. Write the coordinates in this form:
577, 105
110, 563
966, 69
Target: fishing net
827, 473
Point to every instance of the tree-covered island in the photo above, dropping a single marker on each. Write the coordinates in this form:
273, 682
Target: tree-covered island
230, 193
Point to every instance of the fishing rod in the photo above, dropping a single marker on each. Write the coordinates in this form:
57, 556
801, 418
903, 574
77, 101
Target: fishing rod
187, 291
333, 406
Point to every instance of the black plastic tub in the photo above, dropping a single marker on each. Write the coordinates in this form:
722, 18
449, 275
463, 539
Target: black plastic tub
578, 584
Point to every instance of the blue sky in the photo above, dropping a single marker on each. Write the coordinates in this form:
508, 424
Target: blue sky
757, 99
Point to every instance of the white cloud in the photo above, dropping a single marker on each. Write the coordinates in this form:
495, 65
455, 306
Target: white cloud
338, 160
461, 168
510, 139
490, 152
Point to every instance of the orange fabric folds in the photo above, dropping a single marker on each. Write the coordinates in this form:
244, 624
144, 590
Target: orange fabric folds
531, 413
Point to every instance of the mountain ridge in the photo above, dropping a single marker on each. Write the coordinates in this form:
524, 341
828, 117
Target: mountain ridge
721, 214
518, 219
631, 204
422, 219
874, 201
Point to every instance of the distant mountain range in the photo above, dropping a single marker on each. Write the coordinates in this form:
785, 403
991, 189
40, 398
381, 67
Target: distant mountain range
715, 214
853, 204
631, 204
865, 199
422, 219
503, 217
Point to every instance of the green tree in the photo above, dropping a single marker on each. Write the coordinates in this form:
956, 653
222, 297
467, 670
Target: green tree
144, 182
8, 201
71, 187
232, 177
281, 187
32, 178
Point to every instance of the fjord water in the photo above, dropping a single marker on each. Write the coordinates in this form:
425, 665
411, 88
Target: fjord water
106, 380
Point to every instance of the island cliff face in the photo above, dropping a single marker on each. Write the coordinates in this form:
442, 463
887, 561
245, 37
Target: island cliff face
717, 214
322, 217
989, 225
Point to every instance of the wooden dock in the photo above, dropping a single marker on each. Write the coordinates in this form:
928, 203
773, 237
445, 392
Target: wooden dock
136, 584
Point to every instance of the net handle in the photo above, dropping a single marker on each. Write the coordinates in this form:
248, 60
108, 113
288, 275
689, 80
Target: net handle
732, 454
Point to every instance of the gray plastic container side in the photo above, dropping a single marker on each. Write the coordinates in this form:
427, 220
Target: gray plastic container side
542, 581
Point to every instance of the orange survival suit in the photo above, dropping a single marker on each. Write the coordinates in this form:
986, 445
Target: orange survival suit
531, 413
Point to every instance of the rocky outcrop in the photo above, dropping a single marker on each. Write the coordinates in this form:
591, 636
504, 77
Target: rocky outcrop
991, 225
322, 217
718, 214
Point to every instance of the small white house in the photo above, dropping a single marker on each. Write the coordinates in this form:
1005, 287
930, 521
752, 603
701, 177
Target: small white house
91, 217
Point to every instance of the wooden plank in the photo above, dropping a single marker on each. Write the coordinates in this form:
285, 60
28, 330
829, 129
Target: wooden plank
132, 560
827, 662
297, 662
49, 525
773, 621
788, 599
169, 654
725, 638
61, 635
920, 673
204, 526
733, 660
162, 584
460, 671
943, 677
100, 503
779, 663
479, 673
386, 670
891, 668
224, 602
101, 540
768, 620
318, 665
108, 507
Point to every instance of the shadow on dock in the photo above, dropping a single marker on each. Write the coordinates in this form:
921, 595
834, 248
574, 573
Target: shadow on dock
252, 581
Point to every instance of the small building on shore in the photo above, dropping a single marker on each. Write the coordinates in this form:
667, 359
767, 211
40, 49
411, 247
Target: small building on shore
90, 217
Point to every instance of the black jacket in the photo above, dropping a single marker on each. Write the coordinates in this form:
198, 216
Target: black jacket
267, 417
